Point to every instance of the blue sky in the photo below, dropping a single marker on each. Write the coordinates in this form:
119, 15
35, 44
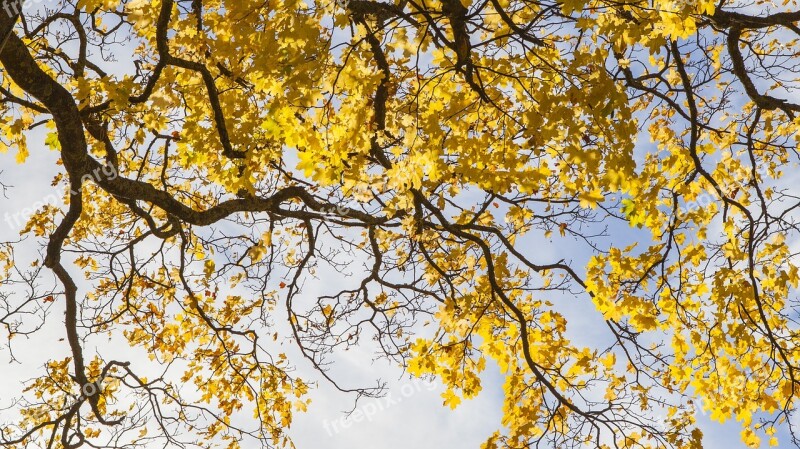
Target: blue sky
412, 416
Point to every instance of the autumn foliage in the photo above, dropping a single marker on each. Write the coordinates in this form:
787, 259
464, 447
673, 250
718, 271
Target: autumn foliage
495, 168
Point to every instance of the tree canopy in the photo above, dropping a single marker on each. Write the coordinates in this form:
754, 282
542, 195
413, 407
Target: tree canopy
217, 155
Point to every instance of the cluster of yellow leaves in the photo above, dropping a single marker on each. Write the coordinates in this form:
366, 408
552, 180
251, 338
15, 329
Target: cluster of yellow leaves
552, 126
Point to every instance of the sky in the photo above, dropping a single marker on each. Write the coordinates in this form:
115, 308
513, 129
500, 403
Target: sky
410, 416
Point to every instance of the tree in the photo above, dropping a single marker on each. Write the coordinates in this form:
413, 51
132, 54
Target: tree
249, 144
